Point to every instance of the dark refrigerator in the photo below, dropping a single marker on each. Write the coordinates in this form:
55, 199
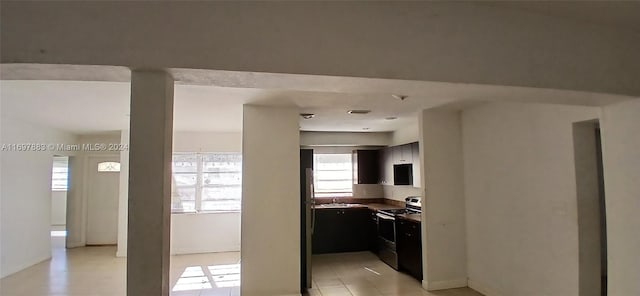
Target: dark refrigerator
306, 217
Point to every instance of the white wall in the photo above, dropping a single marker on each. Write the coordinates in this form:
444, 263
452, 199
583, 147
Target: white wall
25, 220
207, 141
400, 192
407, 134
432, 41
344, 139
270, 202
443, 216
620, 126
520, 193
58, 207
588, 204
123, 198
205, 232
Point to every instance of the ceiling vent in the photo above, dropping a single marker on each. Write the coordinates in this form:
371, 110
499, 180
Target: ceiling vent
307, 115
359, 111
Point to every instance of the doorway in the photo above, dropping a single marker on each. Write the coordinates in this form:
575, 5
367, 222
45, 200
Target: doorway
591, 203
59, 190
102, 200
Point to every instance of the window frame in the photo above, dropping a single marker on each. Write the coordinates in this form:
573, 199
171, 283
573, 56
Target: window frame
327, 194
64, 170
199, 185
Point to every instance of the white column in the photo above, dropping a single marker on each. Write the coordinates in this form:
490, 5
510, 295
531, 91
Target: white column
444, 257
151, 132
621, 160
123, 200
75, 204
270, 201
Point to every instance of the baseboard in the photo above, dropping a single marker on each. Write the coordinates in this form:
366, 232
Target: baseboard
7, 271
187, 251
482, 288
441, 285
74, 244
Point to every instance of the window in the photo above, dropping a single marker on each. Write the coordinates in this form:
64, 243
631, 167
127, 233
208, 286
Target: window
60, 173
206, 182
109, 167
333, 175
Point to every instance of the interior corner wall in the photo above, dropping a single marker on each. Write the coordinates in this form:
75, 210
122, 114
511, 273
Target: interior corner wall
59, 208
443, 228
520, 197
588, 202
123, 196
270, 199
353, 139
620, 127
25, 220
407, 134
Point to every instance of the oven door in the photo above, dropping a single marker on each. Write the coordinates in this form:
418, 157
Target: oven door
386, 227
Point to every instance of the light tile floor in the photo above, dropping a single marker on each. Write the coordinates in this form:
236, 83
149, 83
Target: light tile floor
95, 271
363, 274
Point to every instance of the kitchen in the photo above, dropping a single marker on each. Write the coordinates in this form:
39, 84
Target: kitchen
361, 203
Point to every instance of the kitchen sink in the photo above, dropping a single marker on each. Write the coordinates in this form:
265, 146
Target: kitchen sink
338, 205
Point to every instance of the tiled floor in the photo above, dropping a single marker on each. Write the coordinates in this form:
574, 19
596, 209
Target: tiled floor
363, 274
95, 271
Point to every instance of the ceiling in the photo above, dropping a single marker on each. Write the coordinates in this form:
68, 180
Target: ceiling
84, 107
619, 14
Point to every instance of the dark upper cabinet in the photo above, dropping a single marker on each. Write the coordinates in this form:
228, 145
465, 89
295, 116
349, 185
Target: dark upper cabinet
366, 166
402, 154
409, 247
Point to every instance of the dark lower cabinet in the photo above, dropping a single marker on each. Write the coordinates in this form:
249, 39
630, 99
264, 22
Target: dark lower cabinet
340, 230
409, 247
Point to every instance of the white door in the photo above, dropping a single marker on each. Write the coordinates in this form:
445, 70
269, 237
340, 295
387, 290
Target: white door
102, 200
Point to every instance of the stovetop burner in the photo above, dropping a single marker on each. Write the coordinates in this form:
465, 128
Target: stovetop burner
412, 206
393, 212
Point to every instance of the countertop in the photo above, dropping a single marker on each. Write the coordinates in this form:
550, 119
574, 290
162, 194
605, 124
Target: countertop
381, 206
371, 206
341, 206
374, 207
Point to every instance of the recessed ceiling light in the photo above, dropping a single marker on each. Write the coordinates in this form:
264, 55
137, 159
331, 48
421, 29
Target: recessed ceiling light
307, 115
400, 97
358, 111
391, 118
